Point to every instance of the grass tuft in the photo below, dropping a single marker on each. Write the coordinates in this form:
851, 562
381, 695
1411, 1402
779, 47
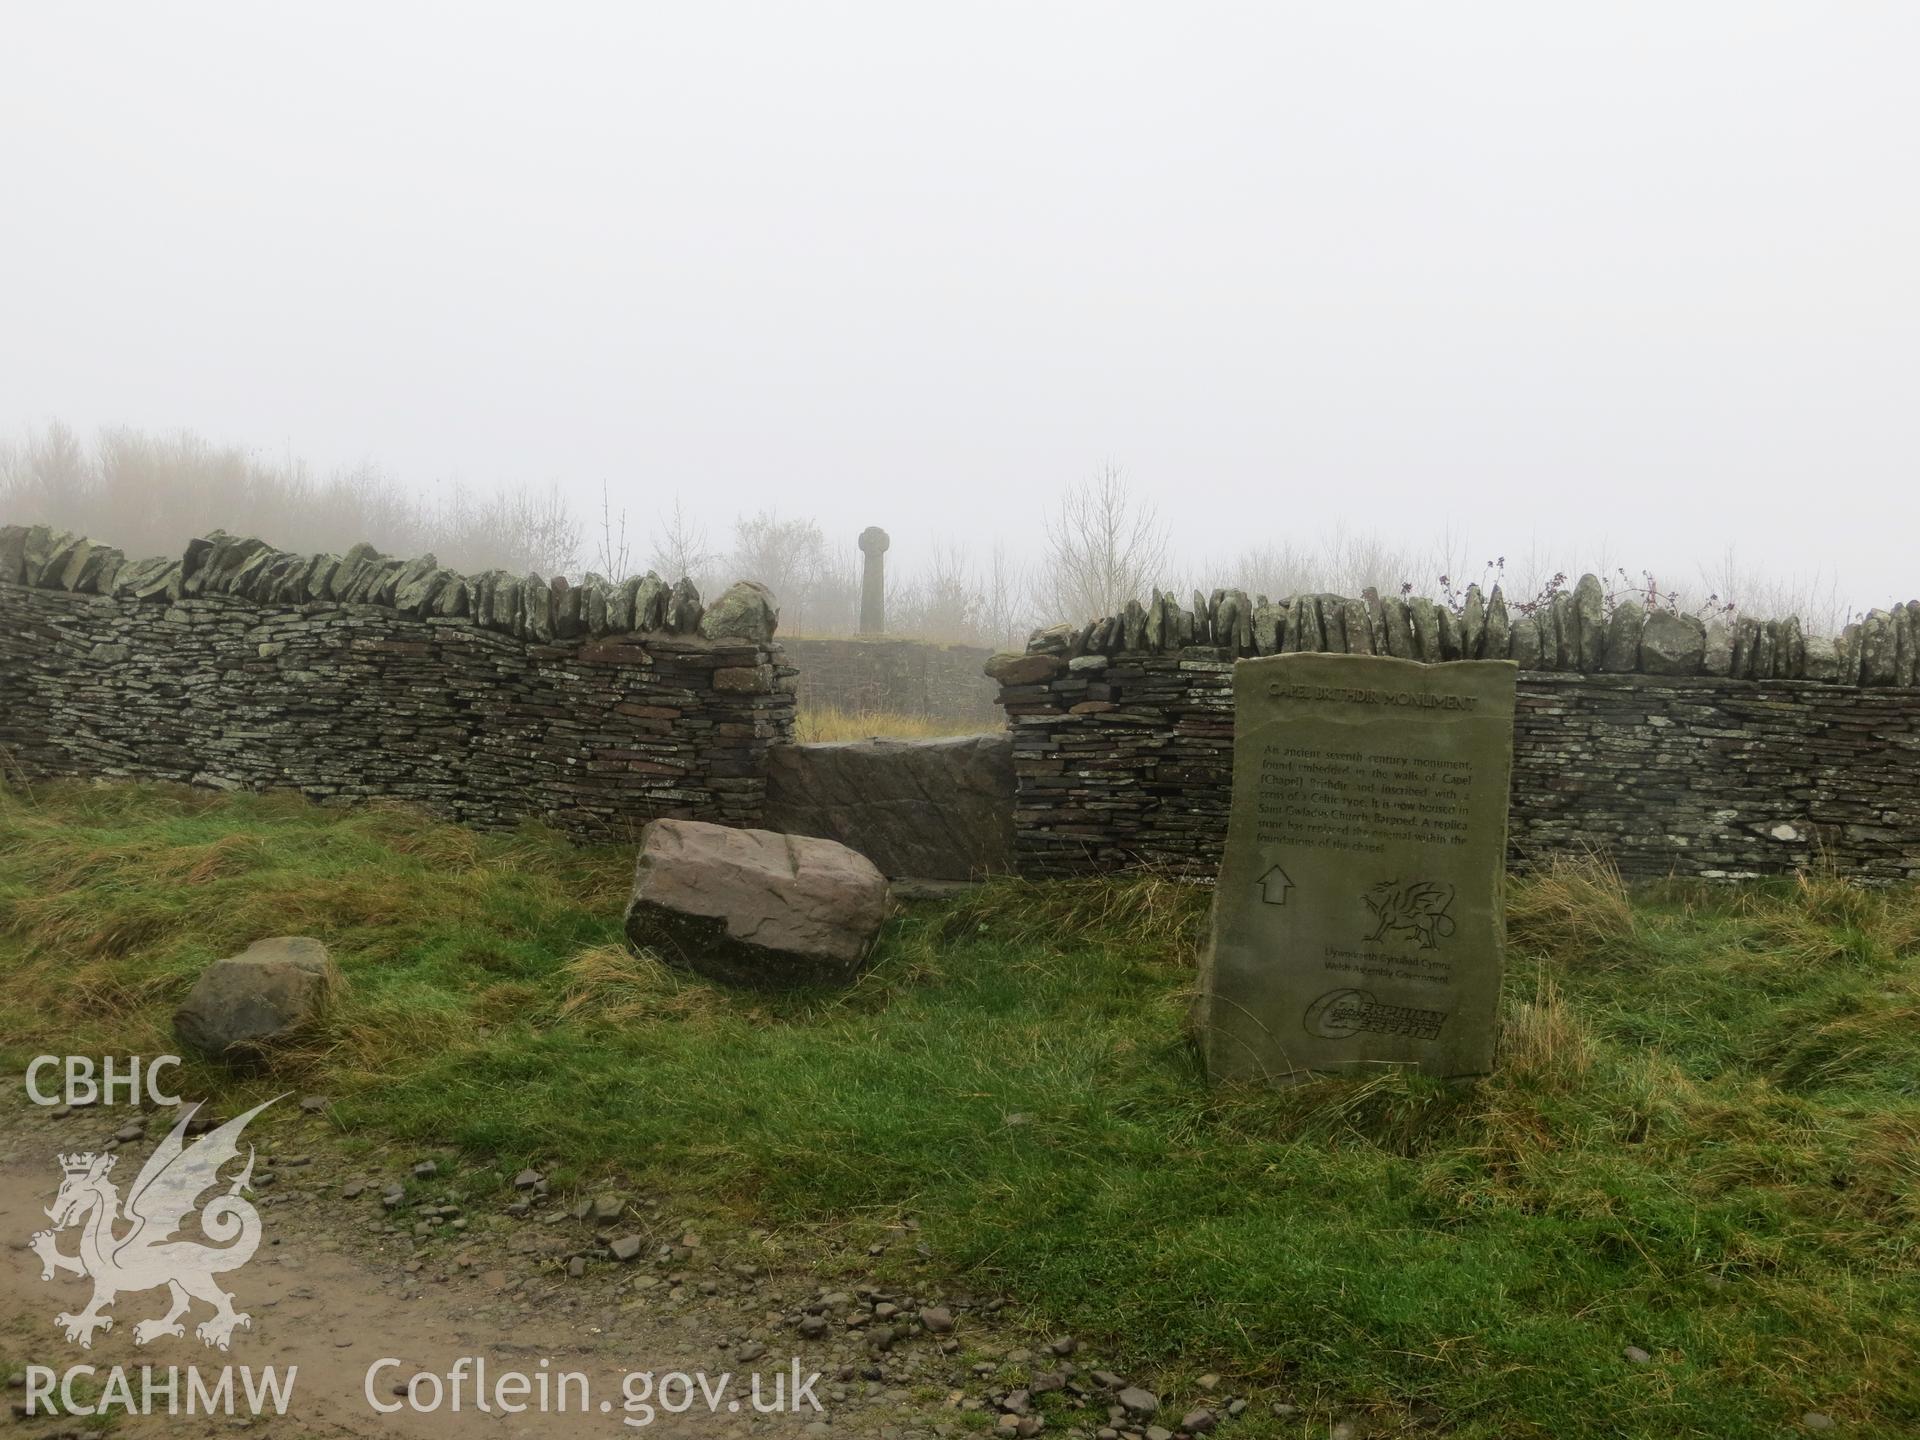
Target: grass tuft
616, 985
1144, 909
1574, 908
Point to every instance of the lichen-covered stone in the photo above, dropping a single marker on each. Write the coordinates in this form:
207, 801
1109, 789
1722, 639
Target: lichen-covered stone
1822, 658
157, 579
1304, 632
97, 575
650, 603
1473, 625
1426, 629
684, 610
1589, 625
1620, 652
1672, 644
1233, 622
1269, 629
744, 612
36, 547
1877, 649
1717, 657
1564, 613
419, 582
1849, 648
536, 610
1746, 645
1793, 649
1053, 640
1333, 623
1766, 646
1906, 662
509, 611
1201, 626
1528, 649
48, 559
568, 620
594, 592
1359, 628
1398, 630
1498, 644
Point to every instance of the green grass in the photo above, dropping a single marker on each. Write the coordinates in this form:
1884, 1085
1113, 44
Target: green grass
1703, 1139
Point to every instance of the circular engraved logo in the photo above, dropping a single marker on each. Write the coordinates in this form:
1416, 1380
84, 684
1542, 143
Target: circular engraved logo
1337, 1014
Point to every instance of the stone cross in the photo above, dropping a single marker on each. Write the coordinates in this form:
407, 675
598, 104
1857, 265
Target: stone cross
873, 581
1357, 922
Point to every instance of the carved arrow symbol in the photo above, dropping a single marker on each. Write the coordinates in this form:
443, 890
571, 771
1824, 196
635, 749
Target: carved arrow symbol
1274, 886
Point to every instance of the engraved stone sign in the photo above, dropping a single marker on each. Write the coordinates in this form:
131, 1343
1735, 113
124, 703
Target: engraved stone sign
1358, 920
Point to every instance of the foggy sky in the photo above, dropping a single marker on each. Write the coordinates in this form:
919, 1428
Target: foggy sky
1632, 277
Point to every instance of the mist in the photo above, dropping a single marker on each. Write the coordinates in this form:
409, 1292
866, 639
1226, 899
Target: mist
1628, 289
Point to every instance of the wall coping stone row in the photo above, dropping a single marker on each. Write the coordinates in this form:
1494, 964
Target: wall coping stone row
1573, 632
527, 607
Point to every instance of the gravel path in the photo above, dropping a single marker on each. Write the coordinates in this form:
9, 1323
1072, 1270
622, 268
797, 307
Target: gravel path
348, 1273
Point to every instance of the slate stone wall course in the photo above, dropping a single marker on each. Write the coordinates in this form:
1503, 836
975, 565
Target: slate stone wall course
1694, 775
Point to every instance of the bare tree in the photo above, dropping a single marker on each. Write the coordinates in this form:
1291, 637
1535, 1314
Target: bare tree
613, 539
519, 530
1338, 561
150, 493
943, 603
1814, 597
1104, 548
1005, 614
817, 592
682, 549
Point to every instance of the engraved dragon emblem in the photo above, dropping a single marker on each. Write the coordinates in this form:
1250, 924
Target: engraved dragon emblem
1418, 907
135, 1250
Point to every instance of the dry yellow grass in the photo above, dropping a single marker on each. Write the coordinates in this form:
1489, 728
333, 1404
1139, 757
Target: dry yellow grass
1543, 1043
1575, 908
815, 724
617, 985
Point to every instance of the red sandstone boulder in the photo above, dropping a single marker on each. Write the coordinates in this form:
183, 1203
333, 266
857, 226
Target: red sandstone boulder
752, 907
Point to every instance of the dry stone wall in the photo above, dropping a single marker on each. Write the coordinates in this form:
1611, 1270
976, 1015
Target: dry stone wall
1674, 746
489, 699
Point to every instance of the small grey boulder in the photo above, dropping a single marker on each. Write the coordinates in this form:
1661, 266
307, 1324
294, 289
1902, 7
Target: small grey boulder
245, 1005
